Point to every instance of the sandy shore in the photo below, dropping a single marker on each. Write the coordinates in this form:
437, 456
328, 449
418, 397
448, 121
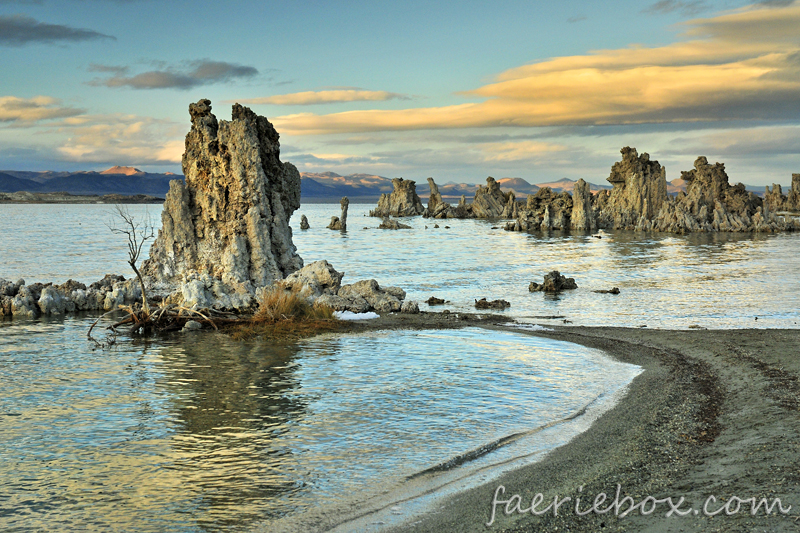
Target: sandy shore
715, 413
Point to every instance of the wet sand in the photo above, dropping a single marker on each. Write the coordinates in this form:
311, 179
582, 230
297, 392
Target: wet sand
715, 413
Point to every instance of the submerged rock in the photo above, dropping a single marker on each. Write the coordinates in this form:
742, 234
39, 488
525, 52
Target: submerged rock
553, 282
388, 223
402, 202
615, 290
226, 230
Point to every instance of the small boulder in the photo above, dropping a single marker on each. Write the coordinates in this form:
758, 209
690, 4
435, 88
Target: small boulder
381, 300
410, 307
313, 280
433, 300
553, 282
483, 303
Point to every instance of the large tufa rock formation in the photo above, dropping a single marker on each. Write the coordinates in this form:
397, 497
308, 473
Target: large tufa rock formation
640, 189
225, 232
712, 204
402, 202
639, 202
490, 201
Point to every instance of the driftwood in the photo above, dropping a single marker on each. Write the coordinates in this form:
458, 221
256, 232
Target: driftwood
160, 319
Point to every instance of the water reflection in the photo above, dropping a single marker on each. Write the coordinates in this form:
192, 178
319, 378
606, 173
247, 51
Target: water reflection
198, 432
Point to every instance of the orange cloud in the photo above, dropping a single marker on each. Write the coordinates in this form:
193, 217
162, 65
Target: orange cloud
126, 139
326, 97
739, 65
517, 150
31, 110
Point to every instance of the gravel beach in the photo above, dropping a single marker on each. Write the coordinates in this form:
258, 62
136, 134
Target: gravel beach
716, 413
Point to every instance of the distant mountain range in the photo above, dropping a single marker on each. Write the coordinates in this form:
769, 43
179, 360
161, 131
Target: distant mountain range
369, 187
115, 180
315, 186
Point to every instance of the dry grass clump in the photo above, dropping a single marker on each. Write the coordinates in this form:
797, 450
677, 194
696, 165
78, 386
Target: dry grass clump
284, 314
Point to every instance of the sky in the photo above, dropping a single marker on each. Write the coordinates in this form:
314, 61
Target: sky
453, 90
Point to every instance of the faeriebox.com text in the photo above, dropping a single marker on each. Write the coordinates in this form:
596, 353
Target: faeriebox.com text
624, 505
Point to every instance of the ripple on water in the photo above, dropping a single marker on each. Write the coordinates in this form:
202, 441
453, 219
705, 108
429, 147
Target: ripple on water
209, 434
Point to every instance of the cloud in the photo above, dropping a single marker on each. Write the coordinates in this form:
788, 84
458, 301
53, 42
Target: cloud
767, 141
326, 97
114, 69
736, 66
684, 8
193, 74
28, 111
517, 150
19, 30
120, 139
576, 18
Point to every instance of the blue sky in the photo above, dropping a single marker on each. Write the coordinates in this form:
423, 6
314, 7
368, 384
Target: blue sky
453, 90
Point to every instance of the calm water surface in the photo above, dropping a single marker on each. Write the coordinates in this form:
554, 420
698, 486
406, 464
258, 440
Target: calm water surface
200, 433
712, 280
205, 434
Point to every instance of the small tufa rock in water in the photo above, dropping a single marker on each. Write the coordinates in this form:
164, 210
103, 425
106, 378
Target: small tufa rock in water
553, 282
615, 290
340, 223
304, 222
433, 300
483, 303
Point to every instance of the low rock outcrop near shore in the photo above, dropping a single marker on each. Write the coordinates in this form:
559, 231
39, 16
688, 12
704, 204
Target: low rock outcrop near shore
320, 282
225, 232
31, 301
402, 202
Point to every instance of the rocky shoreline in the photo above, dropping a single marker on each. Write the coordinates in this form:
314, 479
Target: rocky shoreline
638, 201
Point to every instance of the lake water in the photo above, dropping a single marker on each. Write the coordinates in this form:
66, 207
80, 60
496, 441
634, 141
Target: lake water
721, 280
201, 433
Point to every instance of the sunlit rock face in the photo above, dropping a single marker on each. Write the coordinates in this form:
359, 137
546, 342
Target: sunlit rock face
225, 231
640, 189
